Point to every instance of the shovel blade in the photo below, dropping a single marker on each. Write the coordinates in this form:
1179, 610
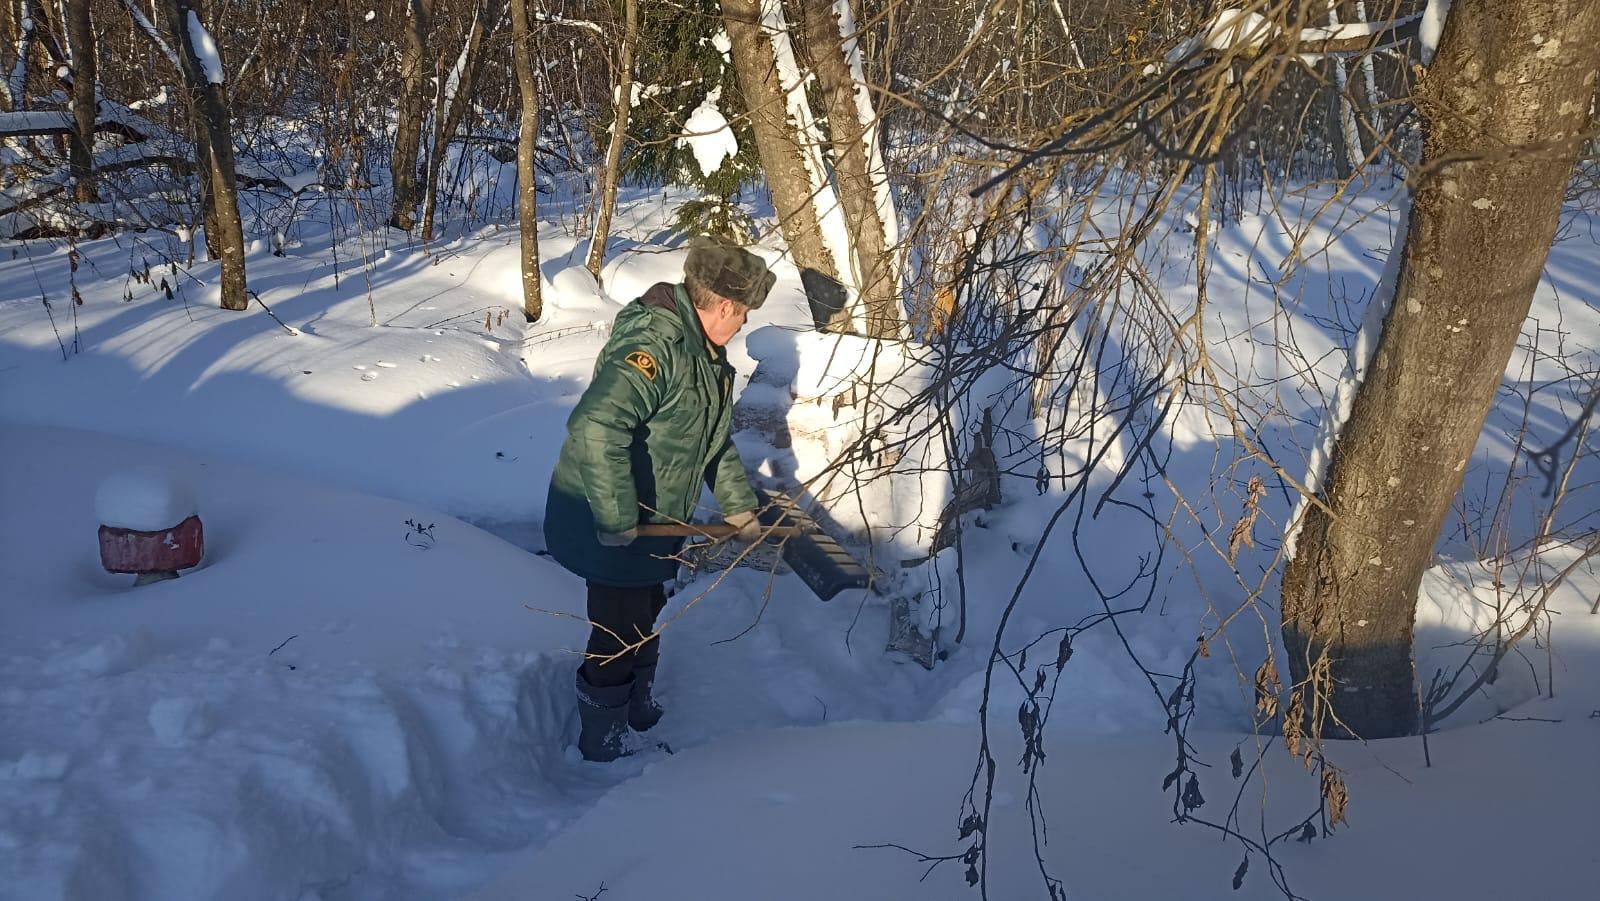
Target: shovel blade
820, 561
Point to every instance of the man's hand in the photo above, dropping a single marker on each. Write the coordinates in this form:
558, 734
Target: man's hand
749, 527
617, 539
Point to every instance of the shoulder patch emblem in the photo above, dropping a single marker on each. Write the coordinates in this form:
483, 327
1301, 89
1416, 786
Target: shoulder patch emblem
644, 363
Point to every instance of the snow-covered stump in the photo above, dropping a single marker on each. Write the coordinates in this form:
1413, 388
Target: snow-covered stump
149, 526
856, 426
846, 418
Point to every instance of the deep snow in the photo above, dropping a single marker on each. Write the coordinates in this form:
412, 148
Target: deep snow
339, 704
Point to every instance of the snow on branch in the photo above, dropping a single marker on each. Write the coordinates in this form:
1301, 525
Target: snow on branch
143, 23
548, 19
1235, 31
26, 123
109, 117
205, 49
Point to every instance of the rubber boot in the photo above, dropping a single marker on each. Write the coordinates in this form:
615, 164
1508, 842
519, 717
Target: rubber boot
602, 718
643, 711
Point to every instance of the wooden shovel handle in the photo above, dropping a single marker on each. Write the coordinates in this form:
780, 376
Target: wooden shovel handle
709, 530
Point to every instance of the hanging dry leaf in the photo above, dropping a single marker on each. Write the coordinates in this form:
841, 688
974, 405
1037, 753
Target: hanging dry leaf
1293, 726
1267, 687
1337, 796
1243, 533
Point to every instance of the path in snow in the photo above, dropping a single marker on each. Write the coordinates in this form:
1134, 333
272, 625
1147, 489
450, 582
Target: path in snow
170, 743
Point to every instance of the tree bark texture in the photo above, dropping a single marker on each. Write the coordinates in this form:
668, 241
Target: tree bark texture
10, 42
1503, 103
213, 126
622, 106
853, 170
777, 141
19, 27
527, 148
452, 109
409, 114
80, 157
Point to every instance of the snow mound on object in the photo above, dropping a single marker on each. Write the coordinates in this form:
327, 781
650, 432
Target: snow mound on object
826, 391
571, 296
707, 135
573, 289
144, 499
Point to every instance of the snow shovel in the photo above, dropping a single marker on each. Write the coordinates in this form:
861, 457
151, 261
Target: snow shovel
820, 561
822, 564
906, 637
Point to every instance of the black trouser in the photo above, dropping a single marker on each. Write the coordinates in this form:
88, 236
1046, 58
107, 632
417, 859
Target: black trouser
629, 613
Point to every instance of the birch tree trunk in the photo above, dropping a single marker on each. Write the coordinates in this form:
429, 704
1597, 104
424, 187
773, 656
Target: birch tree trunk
857, 162
1503, 105
527, 147
453, 101
621, 107
80, 43
213, 125
799, 191
408, 121
16, 75
1349, 131
10, 45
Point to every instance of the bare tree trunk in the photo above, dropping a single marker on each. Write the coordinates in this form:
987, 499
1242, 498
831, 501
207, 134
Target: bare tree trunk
1502, 103
408, 120
858, 164
1369, 108
13, 14
783, 156
1346, 111
46, 37
203, 173
14, 93
80, 41
208, 104
621, 106
453, 102
527, 148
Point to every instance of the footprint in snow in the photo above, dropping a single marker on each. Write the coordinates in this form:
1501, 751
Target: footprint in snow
383, 365
369, 376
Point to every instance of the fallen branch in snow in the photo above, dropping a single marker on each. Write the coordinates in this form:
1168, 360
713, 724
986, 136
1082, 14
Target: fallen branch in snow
110, 118
273, 315
39, 191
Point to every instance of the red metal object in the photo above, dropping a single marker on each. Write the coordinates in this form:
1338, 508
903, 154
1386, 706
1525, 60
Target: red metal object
132, 551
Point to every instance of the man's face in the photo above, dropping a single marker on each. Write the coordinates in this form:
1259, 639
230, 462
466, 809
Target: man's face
723, 320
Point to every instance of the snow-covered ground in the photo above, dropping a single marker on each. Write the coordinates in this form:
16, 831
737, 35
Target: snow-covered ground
336, 705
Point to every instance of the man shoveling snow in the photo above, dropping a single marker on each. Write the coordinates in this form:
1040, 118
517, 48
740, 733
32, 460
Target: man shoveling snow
651, 427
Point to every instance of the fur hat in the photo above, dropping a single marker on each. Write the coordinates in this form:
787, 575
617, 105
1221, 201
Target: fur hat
729, 270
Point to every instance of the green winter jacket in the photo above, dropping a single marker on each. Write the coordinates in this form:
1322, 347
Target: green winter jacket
649, 431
